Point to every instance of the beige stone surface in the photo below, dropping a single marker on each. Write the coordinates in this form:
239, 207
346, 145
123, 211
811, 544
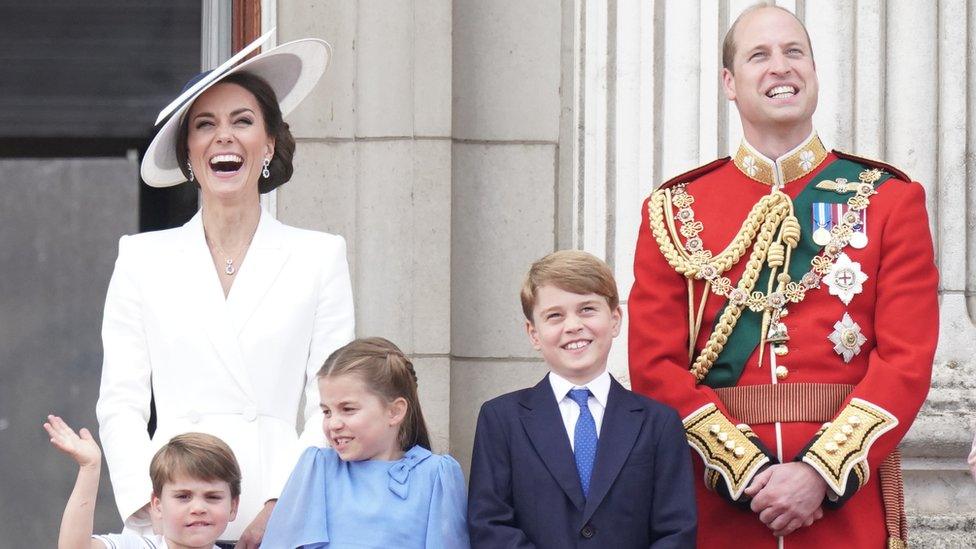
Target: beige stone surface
617, 360
507, 69
384, 69
322, 192
502, 221
434, 387
474, 382
403, 243
433, 50
330, 110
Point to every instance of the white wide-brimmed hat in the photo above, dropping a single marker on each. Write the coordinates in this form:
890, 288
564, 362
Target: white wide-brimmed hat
291, 69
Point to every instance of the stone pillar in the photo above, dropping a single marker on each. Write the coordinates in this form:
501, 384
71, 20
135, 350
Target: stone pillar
374, 165
506, 162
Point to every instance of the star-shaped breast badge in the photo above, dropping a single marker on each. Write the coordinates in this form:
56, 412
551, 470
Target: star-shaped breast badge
847, 338
845, 279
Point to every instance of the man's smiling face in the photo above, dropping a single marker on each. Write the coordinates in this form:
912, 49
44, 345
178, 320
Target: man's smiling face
773, 80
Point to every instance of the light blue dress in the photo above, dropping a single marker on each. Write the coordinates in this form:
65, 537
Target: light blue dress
417, 501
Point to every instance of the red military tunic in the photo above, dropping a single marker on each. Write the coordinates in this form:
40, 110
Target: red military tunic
867, 403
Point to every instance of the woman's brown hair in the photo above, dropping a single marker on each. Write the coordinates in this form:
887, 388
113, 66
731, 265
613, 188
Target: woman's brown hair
389, 374
281, 167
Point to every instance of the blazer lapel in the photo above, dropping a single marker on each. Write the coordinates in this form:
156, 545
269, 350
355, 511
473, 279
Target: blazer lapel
206, 301
544, 425
622, 423
264, 260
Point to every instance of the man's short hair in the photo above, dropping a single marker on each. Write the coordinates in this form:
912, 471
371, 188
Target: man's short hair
198, 456
728, 45
573, 271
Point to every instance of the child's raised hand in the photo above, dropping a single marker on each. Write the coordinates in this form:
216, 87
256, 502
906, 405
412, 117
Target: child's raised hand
83, 449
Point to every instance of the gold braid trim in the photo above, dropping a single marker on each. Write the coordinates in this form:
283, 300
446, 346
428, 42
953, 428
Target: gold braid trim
724, 447
695, 262
757, 231
730, 316
688, 264
845, 442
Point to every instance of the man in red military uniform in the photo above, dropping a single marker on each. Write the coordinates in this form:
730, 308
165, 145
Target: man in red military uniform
785, 303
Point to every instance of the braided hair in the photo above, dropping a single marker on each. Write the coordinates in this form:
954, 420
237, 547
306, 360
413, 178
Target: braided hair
387, 373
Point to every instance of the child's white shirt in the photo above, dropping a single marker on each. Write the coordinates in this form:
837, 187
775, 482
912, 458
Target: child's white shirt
128, 540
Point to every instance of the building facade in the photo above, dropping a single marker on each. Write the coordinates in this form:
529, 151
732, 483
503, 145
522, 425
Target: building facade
455, 142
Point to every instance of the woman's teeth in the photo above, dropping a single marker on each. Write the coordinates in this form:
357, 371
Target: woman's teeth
226, 162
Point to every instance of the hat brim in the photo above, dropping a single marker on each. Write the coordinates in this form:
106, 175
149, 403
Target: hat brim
292, 70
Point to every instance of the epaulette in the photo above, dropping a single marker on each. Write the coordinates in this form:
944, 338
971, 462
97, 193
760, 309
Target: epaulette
695, 173
895, 172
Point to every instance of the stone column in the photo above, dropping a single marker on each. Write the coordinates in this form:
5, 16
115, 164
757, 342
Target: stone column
374, 165
504, 216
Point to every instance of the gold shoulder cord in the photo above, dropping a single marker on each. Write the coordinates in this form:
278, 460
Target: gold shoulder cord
757, 231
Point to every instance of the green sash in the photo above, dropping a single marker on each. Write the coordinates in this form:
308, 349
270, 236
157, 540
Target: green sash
745, 337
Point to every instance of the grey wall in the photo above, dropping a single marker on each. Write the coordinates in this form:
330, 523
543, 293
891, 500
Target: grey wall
61, 220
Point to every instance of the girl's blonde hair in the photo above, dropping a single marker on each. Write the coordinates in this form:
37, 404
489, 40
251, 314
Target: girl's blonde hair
388, 374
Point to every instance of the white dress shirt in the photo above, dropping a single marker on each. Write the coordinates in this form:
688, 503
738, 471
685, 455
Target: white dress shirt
597, 403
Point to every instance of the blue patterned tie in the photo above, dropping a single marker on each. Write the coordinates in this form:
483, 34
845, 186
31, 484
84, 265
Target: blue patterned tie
584, 438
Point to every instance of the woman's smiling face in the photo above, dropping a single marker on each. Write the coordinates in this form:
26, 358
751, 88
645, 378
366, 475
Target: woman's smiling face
227, 141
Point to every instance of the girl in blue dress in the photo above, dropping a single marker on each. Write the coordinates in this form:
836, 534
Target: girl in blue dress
379, 485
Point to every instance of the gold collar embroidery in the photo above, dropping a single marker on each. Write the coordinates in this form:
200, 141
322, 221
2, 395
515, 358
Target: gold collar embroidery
791, 166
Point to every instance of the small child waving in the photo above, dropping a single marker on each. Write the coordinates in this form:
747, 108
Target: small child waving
196, 487
379, 485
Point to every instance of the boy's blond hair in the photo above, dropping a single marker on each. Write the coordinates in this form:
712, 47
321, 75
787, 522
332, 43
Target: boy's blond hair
195, 455
573, 271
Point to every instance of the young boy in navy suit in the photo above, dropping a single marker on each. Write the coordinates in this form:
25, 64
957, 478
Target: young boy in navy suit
578, 460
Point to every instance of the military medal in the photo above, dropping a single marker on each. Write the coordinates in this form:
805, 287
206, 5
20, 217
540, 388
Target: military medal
823, 220
847, 338
845, 278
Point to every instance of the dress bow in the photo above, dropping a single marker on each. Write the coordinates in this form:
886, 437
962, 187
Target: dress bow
400, 471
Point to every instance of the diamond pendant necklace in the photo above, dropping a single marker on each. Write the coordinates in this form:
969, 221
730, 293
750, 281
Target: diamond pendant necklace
229, 267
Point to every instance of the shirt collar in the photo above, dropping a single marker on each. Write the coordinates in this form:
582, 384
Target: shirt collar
803, 159
599, 387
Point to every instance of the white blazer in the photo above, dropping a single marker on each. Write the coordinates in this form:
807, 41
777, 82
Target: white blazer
236, 368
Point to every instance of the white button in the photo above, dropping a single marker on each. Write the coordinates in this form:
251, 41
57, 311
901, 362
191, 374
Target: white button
250, 413
193, 416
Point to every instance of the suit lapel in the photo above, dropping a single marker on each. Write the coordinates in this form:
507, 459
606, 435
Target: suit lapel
622, 423
544, 425
206, 301
261, 266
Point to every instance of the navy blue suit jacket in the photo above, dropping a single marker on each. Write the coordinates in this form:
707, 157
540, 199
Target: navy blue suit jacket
525, 491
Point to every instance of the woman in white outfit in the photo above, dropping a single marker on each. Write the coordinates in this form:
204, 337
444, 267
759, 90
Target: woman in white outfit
226, 319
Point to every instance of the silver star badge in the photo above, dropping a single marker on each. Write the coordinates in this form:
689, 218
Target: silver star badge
845, 278
847, 338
